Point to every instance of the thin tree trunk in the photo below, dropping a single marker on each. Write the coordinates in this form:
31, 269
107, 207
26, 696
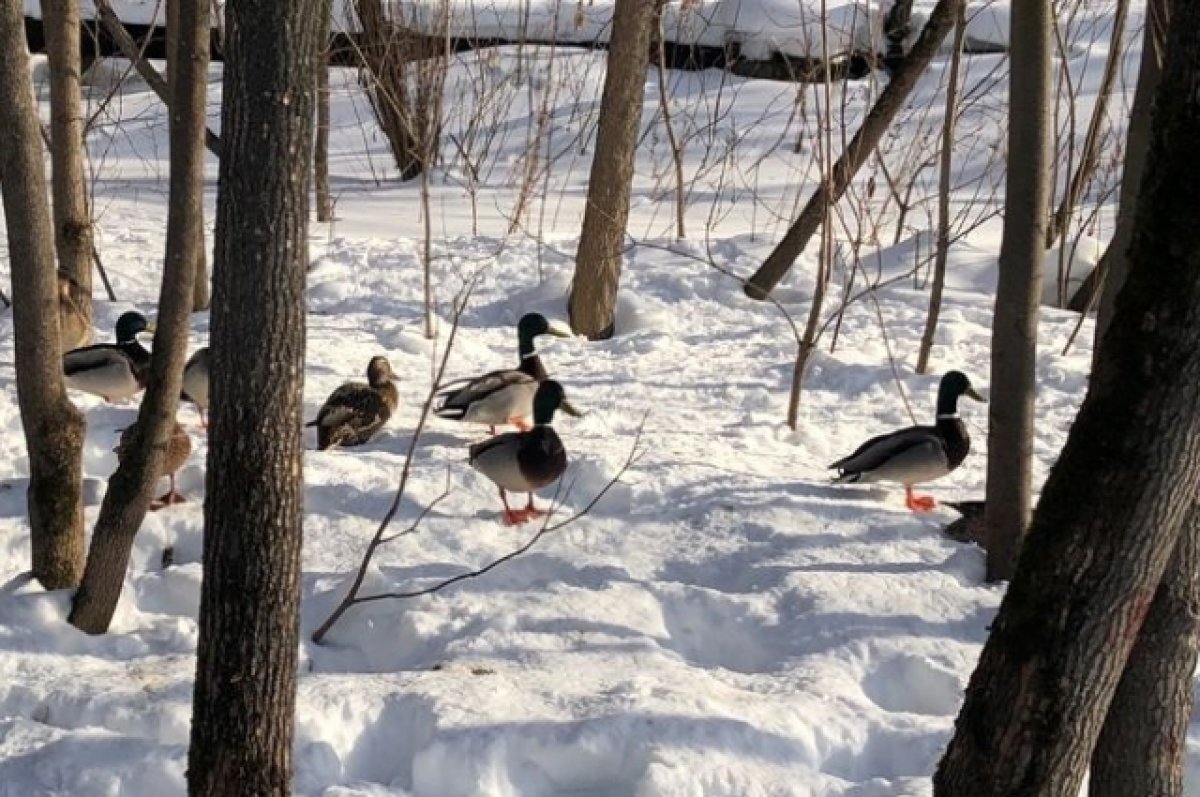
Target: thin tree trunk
321, 149
1116, 501
592, 303
385, 53
1114, 265
1090, 153
132, 486
243, 706
1014, 326
945, 163
1141, 746
897, 25
157, 83
54, 429
72, 220
890, 101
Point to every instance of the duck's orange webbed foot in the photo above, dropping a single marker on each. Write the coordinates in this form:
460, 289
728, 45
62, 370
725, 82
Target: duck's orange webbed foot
918, 503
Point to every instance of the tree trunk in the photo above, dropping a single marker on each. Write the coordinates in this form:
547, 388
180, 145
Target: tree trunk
897, 25
54, 429
945, 164
72, 220
1091, 142
243, 706
321, 149
386, 52
890, 101
1141, 746
197, 250
1115, 502
593, 300
131, 488
1018, 292
1115, 263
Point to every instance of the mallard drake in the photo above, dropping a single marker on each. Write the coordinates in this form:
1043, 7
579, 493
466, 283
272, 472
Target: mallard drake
506, 396
355, 411
74, 326
917, 454
113, 371
527, 460
179, 447
195, 383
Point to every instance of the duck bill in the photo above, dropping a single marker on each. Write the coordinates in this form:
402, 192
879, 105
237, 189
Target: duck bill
972, 394
559, 330
570, 409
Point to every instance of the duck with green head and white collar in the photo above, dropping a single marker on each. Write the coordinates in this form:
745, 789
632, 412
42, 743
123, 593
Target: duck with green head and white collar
113, 371
528, 460
916, 454
505, 396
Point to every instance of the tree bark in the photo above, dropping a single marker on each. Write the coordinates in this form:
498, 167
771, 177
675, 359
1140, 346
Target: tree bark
321, 149
1091, 141
385, 53
593, 300
243, 706
72, 219
54, 429
1116, 500
1018, 291
131, 488
1142, 744
1114, 265
197, 250
864, 142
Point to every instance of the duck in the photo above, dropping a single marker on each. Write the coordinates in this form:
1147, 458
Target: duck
356, 411
916, 454
75, 328
113, 371
526, 460
195, 383
505, 396
179, 448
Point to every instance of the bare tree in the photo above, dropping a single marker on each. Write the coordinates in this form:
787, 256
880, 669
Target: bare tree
1014, 325
321, 147
72, 219
593, 300
1114, 265
856, 152
1116, 502
131, 488
54, 429
244, 699
1139, 750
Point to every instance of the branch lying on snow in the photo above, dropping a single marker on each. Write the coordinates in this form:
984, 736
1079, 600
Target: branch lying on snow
460, 305
635, 454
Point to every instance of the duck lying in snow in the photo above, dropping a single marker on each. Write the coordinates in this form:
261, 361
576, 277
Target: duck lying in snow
355, 411
917, 454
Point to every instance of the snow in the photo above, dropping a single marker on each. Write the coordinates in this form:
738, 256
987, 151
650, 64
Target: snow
724, 621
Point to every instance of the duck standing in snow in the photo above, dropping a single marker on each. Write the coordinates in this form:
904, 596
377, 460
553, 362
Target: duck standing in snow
506, 396
355, 411
195, 383
113, 371
527, 460
917, 454
179, 448
75, 329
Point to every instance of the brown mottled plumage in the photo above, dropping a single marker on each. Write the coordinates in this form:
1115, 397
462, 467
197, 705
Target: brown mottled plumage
354, 412
179, 448
75, 328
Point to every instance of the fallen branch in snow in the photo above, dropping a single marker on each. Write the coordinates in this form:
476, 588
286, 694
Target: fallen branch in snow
635, 453
460, 305
353, 598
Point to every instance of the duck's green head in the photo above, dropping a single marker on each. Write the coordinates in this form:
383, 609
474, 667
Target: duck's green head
550, 397
533, 324
130, 325
954, 384
379, 372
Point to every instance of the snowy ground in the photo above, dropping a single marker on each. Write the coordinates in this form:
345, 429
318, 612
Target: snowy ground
724, 622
